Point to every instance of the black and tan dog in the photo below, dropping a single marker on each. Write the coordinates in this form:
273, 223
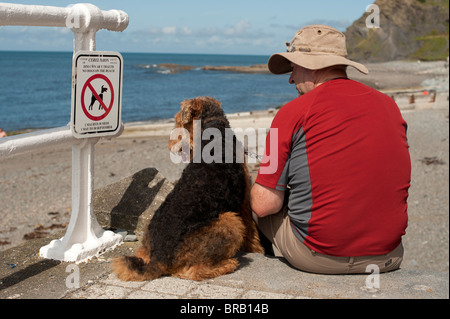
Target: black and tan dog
206, 219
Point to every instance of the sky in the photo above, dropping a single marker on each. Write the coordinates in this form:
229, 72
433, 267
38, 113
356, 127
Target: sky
255, 27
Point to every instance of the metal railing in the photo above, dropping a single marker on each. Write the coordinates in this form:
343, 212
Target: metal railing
84, 237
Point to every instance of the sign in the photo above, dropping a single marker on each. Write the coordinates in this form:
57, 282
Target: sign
96, 94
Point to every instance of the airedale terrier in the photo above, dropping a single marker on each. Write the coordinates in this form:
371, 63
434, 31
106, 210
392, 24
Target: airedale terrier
206, 219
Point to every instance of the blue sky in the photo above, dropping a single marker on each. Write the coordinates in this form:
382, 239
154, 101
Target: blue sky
258, 27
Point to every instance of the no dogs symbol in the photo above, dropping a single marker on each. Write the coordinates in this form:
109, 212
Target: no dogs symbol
97, 97
96, 94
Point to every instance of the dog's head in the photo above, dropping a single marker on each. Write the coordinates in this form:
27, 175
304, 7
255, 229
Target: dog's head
191, 110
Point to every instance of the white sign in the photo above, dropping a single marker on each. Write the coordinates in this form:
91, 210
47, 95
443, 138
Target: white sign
96, 93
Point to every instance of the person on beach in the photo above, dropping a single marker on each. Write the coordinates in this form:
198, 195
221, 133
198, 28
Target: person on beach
337, 201
2, 133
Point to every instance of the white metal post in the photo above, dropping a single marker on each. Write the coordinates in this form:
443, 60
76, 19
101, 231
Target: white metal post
84, 237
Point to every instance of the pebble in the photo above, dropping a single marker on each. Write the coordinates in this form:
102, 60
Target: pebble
127, 237
130, 238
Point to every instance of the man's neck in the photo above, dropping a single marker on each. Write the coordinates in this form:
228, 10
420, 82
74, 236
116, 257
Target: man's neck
328, 75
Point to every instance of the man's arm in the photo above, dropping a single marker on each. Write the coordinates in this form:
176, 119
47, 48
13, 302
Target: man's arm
266, 201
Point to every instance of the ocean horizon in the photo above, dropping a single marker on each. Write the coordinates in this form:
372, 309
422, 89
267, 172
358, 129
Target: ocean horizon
35, 86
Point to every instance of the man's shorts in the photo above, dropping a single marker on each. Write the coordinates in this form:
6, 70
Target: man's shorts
278, 230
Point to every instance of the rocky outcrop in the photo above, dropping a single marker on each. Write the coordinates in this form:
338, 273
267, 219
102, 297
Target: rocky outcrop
409, 29
257, 68
172, 68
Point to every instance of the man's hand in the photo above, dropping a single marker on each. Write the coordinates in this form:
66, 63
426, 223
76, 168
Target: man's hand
266, 201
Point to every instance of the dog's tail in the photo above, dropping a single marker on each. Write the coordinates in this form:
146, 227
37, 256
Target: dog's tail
132, 268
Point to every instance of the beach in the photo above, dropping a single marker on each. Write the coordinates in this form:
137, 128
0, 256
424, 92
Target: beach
35, 188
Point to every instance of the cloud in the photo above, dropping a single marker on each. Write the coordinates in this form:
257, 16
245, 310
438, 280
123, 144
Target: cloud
239, 28
168, 30
35, 38
239, 37
224, 38
185, 31
341, 25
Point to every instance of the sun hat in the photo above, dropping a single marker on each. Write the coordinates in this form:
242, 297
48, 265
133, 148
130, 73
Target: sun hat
314, 47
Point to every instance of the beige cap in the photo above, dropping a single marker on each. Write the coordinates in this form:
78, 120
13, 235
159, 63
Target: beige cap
314, 47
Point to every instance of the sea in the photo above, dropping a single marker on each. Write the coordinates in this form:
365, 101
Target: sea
35, 87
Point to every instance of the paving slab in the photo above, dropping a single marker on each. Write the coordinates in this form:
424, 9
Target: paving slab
25, 275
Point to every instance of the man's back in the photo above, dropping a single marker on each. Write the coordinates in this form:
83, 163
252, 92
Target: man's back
343, 156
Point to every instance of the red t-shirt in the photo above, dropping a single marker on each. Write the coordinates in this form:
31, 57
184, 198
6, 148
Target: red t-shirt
341, 154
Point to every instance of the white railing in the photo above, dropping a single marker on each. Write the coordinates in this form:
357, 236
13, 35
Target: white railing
84, 237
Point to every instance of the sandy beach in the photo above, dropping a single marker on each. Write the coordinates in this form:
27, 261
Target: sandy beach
35, 188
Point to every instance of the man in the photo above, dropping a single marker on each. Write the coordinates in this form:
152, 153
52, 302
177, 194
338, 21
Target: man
337, 200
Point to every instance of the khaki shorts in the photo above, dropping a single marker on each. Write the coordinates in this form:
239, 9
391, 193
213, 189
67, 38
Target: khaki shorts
278, 230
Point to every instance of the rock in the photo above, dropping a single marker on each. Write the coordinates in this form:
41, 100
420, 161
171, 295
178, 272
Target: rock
409, 29
175, 68
130, 203
167, 68
130, 238
121, 232
257, 68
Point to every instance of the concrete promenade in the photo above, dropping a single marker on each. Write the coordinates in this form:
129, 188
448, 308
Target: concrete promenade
258, 277
424, 273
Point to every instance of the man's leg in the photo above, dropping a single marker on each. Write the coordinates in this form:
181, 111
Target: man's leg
277, 228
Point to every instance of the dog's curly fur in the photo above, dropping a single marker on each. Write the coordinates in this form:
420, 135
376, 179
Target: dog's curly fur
205, 220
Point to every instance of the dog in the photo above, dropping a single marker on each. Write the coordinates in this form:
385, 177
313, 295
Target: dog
197, 231
93, 98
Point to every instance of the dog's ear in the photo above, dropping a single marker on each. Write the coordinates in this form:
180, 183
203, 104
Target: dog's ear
190, 110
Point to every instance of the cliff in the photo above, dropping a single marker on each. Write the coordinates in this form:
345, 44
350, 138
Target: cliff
409, 30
